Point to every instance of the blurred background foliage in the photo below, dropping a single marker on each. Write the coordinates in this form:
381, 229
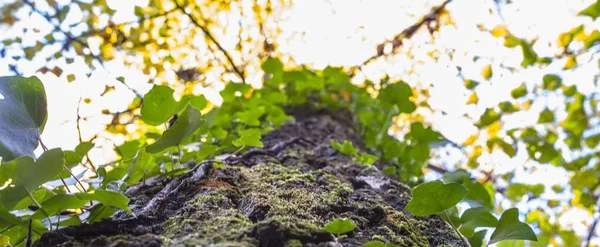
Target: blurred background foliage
511, 85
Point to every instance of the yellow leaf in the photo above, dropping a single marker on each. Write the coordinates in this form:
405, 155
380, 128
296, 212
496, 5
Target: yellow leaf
499, 31
564, 39
71, 77
471, 140
571, 62
487, 71
493, 129
473, 99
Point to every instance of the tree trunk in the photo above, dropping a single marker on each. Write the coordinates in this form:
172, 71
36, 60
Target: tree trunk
282, 195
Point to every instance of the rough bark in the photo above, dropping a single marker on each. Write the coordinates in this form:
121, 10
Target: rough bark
282, 195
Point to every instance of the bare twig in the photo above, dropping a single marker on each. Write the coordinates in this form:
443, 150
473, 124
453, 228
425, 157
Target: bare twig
405, 34
591, 232
206, 32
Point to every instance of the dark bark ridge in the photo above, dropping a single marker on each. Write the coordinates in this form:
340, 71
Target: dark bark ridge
282, 195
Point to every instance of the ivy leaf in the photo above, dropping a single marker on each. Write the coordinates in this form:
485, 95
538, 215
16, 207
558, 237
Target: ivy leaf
477, 239
366, 158
230, 91
24, 113
140, 167
339, 226
109, 198
249, 137
197, 101
510, 228
347, 148
252, 116
272, 66
458, 176
398, 94
27, 175
434, 197
476, 217
159, 105
184, 126
57, 204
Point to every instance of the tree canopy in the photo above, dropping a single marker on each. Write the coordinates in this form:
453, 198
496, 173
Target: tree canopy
507, 120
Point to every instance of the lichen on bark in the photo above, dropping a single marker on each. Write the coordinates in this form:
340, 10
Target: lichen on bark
283, 199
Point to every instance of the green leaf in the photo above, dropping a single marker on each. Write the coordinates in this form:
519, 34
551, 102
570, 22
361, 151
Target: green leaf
249, 137
339, 226
477, 239
57, 204
398, 94
24, 113
476, 217
184, 126
366, 158
109, 198
552, 82
232, 89
206, 150
379, 244
489, 117
27, 175
510, 228
140, 167
197, 101
529, 55
272, 66
99, 212
546, 116
252, 116
592, 11
519, 92
458, 176
347, 148
470, 84
434, 197
159, 105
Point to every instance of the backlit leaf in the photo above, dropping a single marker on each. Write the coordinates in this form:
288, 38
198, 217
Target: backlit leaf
434, 197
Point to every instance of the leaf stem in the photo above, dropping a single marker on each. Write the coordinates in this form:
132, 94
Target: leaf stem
455, 229
40, 208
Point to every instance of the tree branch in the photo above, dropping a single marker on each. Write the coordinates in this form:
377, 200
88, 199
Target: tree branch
206, 32
405, 34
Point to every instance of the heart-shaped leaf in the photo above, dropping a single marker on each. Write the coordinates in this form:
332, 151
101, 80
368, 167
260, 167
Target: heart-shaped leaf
346, 148
159, 105
510, 228
57, 204
476, 217
434, 197
184, 126
109, 198
249, 137
23, 109
27, 175
339, 226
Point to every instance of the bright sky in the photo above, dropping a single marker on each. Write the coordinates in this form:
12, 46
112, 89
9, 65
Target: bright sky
345, 33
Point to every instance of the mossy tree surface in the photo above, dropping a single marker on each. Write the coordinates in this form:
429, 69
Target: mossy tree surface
281, 199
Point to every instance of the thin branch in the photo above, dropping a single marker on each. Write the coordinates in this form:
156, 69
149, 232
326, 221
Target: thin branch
591, 232
206, 32
405, 34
